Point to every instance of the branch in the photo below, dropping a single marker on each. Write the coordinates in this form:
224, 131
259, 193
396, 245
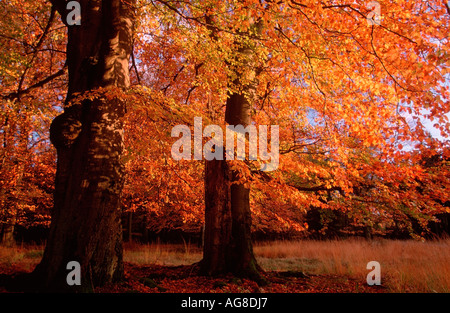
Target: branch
341, 6
296, 147
207, 24
189, 93
365, 17
60, 6
299, 4
384, 67
278, 28
318, 188
36, 50
41, 83
300, 188
197, 67
164, 89
133, 64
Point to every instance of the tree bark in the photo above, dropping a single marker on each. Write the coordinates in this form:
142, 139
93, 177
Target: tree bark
228, 244
218, 219
130, 227
7, 234
88, 136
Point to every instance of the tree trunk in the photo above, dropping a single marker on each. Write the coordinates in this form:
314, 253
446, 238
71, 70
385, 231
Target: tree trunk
130, 227
88, 136
228, 244
218, 219
7, 235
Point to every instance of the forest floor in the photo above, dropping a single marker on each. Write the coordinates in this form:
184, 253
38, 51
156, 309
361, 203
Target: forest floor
334, 266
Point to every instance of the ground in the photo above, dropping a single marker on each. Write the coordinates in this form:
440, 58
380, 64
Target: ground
183, 279
334, 266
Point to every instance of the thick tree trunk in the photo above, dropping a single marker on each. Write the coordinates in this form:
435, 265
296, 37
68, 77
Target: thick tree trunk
86, 224
228, 244
218, 219
242, 260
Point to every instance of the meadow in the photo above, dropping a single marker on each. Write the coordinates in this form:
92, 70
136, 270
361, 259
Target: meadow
406, 266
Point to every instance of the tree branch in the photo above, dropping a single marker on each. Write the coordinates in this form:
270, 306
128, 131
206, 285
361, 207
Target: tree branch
301, 188
318, 188
133, 64
60, 6
384, 67
36, 51
41, 83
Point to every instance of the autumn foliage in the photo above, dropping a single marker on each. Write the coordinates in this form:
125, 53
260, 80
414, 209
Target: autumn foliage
362, 110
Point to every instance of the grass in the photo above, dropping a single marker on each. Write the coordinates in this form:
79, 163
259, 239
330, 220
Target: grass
19, 258
162, 254
406, 266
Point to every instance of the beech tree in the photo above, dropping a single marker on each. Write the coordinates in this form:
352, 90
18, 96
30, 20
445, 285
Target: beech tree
228, 242
29, 41
88, 136
337, 78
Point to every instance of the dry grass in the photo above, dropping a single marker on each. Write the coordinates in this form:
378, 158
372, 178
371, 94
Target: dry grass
162, 254
19, 258
406, 266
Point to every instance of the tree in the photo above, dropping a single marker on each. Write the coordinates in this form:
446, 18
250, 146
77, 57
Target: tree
333, 82
228, 242
88, 136
31, 46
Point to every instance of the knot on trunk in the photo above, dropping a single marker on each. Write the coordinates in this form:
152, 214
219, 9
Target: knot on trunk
64, 130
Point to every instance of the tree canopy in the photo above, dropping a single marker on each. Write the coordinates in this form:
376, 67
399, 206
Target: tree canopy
353, 101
